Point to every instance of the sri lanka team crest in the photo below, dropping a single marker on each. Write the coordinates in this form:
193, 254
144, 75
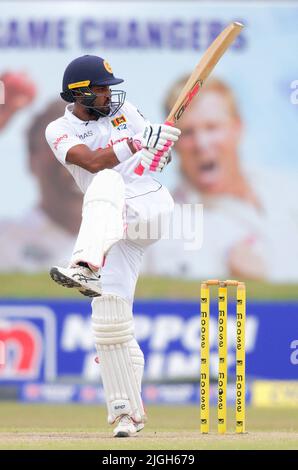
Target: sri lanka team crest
119, 122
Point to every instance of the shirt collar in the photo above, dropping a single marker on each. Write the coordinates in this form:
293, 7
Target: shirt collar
71, 117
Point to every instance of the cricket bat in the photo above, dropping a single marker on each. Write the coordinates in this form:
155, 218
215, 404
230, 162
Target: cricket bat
196, 80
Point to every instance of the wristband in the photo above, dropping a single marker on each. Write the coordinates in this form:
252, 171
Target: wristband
122, 151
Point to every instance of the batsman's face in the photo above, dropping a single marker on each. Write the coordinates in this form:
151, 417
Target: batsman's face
208, 143
103, 99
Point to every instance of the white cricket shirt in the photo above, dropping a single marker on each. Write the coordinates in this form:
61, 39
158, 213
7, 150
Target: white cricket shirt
68, 131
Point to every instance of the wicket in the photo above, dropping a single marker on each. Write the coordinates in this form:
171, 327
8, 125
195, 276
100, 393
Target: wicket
222, 354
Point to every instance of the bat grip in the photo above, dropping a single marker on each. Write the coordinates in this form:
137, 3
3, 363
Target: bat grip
139, 170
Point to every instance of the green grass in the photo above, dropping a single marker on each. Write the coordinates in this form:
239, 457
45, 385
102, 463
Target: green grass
84, 427
41, 286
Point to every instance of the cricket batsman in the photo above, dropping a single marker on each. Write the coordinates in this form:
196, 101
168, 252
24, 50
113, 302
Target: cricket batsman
100, 140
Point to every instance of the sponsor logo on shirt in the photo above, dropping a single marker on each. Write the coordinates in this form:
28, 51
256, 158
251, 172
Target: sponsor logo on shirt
58, 140
86, 134
113, 142
119, 122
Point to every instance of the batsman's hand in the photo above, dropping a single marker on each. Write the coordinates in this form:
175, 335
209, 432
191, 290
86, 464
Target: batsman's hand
159, 136
155, 160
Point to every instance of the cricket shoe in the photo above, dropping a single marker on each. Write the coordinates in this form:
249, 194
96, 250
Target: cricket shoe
139, 426
126, 427
78, 277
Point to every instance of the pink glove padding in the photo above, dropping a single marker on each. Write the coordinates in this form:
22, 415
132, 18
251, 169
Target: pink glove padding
155, 160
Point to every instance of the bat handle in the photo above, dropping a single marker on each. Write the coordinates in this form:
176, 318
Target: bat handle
139, 170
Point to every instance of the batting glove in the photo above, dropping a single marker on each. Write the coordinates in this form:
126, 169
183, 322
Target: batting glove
157, 136
155, 160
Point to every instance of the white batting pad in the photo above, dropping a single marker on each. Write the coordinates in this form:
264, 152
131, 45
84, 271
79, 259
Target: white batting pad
120, 358
137, 358
102, 219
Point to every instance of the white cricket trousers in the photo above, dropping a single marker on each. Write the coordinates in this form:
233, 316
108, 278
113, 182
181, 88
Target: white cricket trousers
148, 217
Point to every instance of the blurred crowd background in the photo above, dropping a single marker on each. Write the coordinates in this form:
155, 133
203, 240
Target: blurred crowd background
236, 156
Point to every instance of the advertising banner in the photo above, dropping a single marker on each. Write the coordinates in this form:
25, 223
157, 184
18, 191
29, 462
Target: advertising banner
51, 341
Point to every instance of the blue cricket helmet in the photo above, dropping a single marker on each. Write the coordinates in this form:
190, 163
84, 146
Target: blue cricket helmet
84, 72
91, 69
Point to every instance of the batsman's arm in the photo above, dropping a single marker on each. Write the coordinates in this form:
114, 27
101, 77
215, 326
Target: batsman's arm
101, 159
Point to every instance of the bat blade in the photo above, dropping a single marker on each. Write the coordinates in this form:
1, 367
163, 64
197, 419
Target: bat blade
201, 72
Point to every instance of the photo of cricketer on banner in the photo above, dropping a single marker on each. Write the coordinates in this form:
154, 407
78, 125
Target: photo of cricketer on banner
240, 147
